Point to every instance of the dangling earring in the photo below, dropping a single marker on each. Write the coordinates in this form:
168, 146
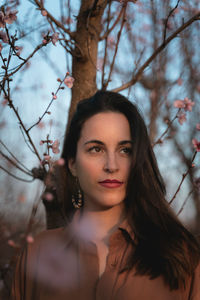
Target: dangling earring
77, 200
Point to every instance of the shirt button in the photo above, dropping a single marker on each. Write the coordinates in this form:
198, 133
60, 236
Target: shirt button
114, 263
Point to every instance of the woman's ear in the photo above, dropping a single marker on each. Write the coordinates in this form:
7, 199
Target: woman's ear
72, 166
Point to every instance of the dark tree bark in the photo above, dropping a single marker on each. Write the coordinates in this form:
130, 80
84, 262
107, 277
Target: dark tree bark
84, 69
84, 65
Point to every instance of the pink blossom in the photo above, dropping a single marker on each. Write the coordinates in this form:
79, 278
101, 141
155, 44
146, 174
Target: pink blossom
198, 126
55, 147
1, 47
44, 41
181, 118
3, 36
55, 38
196, 144
44, 12
48, 196
22, 198
41, 125
4, 102
10, 16
179, 104
111, 42
179, 81
60, 162
47, 157
146, 27
41, 143
68, 21
176, 11
29, 239
12, 243
186, 104
69, 81
54, 97
18, 49
99, 64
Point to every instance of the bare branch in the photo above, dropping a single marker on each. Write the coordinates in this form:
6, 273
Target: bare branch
116, 47
17, 160
156, 52
184, 203
59, 24
183, 178
10, 103
15, 164
159, 140
167, 19
26, 60
46, 111
105, 48
108, 31
14, 176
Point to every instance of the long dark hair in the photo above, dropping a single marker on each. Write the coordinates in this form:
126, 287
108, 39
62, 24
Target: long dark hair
162, 245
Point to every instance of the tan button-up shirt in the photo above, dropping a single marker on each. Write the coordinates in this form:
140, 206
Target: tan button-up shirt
60, 266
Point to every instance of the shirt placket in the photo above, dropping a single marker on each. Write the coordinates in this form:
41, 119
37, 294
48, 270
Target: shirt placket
108, 282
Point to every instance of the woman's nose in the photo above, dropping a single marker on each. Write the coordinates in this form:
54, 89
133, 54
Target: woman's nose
110, 164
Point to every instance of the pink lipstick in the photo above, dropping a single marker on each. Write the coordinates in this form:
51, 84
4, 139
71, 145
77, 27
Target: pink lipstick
108, 183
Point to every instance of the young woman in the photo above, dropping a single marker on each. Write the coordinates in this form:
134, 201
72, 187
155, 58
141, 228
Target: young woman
122, 240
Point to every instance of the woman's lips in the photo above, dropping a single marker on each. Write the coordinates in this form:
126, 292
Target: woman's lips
111, 183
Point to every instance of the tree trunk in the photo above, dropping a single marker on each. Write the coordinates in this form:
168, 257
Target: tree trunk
84, 65
84, 68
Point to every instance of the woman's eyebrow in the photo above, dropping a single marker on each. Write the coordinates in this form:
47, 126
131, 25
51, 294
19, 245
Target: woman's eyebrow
126, 142
101, 143
94, 142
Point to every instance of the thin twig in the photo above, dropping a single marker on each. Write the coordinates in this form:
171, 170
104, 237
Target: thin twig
26, 142
26, 60
156, 52
58, 24
116, 47
105, 48
20, 121
46, 111
167, 19
33, 212
20, 163
183, 178
14, 176
15, 164
159, 140
108, 31
184, 203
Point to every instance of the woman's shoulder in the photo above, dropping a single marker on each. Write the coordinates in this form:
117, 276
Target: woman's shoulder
195, 284
51, 238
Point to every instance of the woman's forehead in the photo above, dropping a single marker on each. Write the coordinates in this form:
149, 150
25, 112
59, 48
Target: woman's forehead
105, 126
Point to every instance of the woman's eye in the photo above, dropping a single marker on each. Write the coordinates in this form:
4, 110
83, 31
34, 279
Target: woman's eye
126, 150
94, 149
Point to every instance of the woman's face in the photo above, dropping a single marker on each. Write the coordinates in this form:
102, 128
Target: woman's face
103, 160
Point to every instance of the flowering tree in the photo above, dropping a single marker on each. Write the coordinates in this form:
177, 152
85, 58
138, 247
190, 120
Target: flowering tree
146, 50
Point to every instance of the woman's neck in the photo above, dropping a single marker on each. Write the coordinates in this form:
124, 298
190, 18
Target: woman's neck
97, 226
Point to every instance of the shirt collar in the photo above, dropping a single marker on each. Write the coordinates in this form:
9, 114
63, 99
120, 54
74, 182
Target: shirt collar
124, 227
